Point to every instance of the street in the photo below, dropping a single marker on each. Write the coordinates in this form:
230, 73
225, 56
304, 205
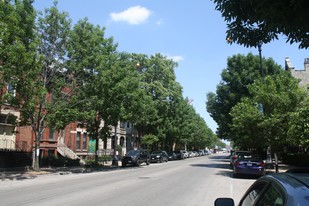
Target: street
195, 181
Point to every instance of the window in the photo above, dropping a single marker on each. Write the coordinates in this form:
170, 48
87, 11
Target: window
78, 140
3, 119
121, 141
253, 194
271, 197
122, 124
11, 119
8, 119
85, 141
113, 142
51, 134
11, 89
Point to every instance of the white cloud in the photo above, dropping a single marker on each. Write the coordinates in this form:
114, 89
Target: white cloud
176, 58
159, 22
133, 15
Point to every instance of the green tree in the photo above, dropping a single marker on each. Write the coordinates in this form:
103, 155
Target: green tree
257, 127
88, 50
241, 71
20, 63
252, 22
50, 89
119, 90
298, 131
158, 82
149, 140
18, 43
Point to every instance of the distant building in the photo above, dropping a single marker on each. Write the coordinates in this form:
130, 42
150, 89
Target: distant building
302, 75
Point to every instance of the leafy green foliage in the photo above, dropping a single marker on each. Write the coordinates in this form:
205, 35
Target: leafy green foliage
298, 132
241, 71
149, 140
252, 22
279, 95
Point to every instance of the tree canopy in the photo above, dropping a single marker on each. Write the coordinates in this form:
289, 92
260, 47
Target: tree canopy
258, 127
65, 73
241, 71
251, 22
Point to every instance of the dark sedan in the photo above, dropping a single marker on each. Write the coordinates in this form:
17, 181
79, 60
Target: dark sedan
172, 156
278, 189
179, 154
159, 156
136, 157
247, 164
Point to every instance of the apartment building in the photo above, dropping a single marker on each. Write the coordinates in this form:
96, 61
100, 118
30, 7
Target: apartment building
17, 143
301, 74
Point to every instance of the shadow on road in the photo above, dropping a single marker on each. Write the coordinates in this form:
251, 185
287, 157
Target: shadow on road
222, 163
221, 166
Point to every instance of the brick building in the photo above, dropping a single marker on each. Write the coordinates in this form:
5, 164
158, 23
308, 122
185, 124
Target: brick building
17, 143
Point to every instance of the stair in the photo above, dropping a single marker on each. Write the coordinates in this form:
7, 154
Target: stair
67, 152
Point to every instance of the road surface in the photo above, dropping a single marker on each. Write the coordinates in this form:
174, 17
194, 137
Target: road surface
193, 182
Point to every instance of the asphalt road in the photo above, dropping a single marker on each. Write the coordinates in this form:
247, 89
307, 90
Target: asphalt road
195, 181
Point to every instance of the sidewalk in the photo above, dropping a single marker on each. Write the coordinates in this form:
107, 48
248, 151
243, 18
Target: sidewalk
22, 174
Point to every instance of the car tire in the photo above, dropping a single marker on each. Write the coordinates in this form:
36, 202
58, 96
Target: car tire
138, 163
235, 175
123, 164
147, 162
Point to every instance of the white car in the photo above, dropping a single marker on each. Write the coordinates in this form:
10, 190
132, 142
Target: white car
185, 154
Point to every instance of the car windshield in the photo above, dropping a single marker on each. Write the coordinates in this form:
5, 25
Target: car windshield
133, 153
249, 157
244, 156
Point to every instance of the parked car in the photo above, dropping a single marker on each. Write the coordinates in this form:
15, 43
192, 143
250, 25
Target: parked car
185, 154
278, 189
159, 156
172, 156
201, 152
234, 155
180, 155
190, 154
195, 154
248, 164
207, 152
136, 157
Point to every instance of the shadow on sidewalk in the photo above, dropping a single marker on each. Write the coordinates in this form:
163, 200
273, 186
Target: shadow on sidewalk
26, 173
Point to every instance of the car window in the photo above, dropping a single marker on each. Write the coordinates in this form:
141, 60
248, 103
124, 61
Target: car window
244, 156
133, 153
271, 197
253, 194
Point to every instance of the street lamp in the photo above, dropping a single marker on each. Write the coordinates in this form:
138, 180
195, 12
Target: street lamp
260, 53
269, 158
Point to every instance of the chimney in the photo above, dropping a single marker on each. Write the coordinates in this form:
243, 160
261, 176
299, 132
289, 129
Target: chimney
288, 64
306, 64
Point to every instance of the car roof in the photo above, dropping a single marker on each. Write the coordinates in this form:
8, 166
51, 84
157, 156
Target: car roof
292, 179
296, 185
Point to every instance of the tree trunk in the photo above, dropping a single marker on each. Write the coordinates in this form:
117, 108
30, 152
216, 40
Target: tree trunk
36, 159
96, 158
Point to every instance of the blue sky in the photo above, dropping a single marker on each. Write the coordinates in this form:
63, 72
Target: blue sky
190, 32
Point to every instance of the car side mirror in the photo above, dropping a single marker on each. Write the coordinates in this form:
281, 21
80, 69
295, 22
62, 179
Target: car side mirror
224, 202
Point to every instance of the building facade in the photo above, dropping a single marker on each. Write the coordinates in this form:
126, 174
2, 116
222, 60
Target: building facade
73, 141
302, 75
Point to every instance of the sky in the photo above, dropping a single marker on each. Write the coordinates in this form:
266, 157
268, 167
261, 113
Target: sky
190, 32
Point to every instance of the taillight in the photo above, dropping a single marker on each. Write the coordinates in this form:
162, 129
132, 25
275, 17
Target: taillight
235, 157
261, 164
